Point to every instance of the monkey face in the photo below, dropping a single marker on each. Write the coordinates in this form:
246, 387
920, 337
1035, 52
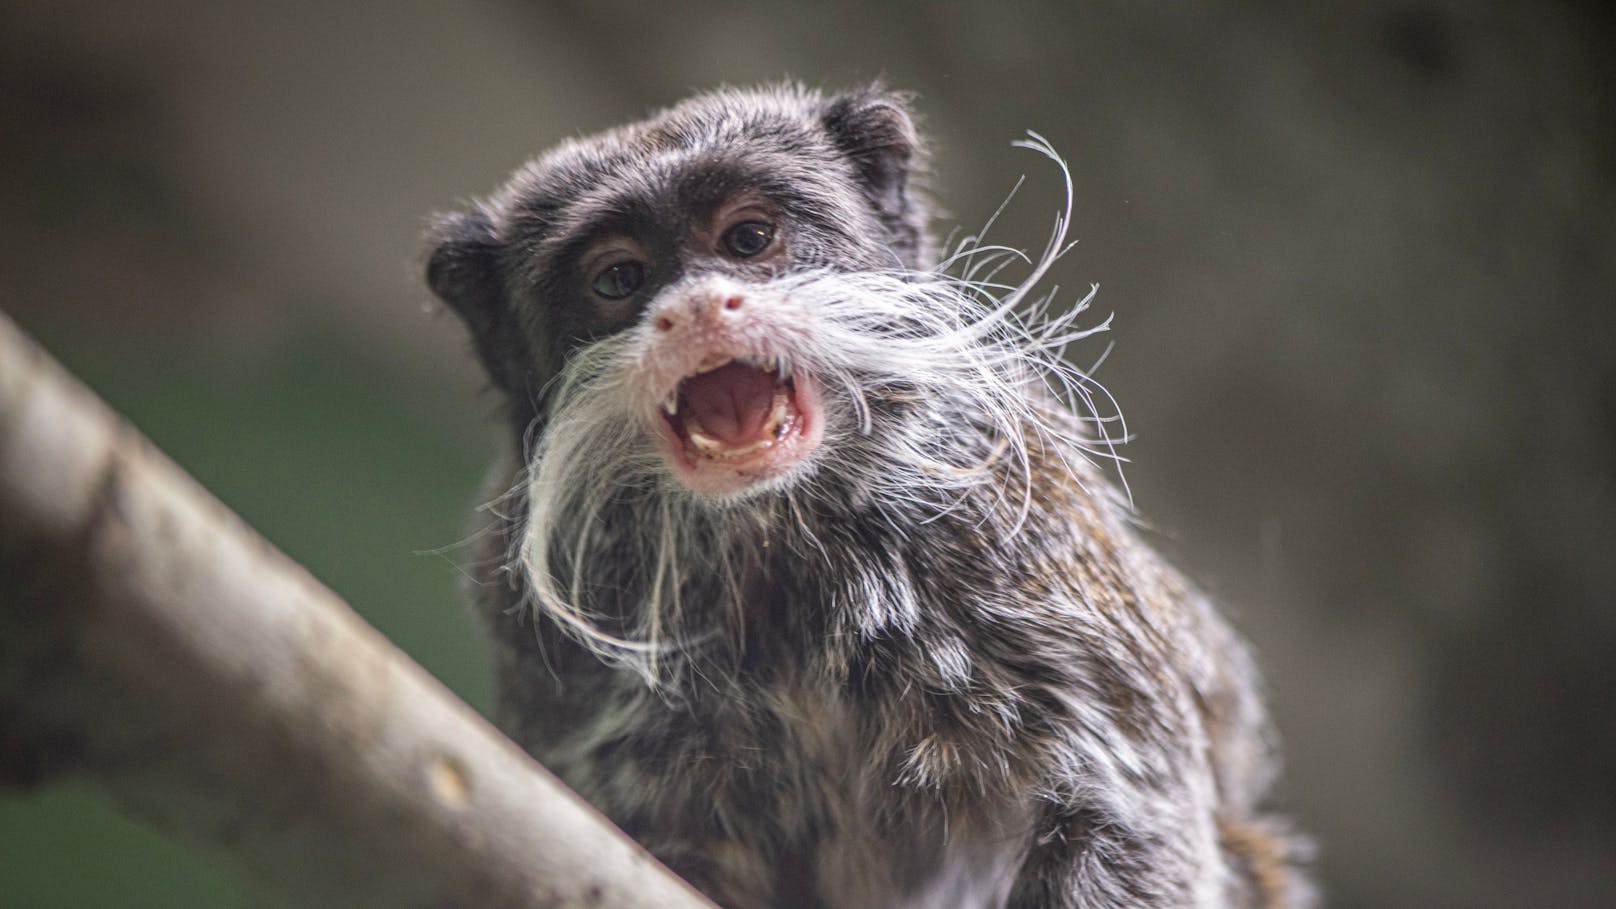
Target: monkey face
725, 348
659, 268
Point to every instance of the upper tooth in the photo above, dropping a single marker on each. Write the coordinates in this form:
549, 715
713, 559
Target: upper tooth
775, 425
670, 404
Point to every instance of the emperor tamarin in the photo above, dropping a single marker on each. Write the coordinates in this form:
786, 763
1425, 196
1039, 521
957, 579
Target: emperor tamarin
804, 572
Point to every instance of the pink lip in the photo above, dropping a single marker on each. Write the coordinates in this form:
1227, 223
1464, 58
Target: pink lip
719, 473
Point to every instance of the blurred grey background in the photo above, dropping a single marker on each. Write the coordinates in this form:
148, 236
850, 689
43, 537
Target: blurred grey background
1362, 258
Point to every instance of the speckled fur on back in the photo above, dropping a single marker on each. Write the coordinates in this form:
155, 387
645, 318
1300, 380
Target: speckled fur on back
935, 665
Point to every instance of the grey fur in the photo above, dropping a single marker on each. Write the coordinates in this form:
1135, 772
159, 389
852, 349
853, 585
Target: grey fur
934, 665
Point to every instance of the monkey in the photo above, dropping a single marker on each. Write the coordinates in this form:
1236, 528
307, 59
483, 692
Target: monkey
802, 565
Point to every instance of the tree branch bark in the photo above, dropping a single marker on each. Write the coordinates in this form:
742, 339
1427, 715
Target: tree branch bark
152, 642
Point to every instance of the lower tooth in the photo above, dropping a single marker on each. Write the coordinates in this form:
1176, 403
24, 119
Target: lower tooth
743, 452
705, 444
711, 448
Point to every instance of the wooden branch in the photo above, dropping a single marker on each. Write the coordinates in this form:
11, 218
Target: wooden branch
153, 643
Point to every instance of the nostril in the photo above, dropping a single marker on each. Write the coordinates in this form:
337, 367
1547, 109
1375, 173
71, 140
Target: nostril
663, 323
733, 303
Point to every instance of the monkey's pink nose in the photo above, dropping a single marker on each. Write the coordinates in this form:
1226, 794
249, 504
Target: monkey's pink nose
697, 311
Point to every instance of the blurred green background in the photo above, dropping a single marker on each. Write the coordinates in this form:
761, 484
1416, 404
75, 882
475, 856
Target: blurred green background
1362, 258
361, 471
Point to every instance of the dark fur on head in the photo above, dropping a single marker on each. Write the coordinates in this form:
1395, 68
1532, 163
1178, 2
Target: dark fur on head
502, 263
913, 654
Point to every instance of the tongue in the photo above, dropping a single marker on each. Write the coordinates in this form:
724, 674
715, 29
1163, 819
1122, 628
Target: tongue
731, 403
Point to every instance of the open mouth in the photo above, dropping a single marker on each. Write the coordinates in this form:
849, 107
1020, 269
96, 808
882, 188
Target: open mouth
736, 421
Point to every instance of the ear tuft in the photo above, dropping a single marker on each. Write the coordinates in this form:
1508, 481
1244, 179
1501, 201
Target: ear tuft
461, 256
875, 130
464, 271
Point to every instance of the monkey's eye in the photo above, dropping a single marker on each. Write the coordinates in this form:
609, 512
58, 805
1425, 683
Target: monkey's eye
618, 281
748, 238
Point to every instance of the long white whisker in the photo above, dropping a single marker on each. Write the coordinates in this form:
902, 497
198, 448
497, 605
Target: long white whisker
944, 389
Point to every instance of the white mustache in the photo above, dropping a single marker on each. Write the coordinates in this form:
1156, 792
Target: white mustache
935, 384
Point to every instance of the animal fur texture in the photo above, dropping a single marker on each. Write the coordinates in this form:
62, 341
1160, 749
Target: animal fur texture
804, 571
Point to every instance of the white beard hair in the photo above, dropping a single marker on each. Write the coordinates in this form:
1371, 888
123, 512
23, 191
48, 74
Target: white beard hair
981, 358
